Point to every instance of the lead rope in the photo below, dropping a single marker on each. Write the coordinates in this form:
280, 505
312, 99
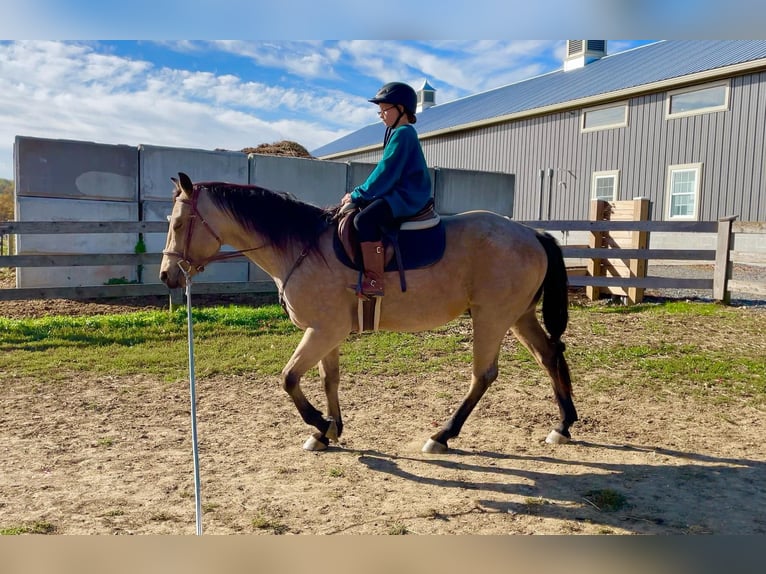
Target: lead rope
193, 395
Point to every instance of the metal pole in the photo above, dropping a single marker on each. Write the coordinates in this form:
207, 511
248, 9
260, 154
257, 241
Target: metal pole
193, 395
550, 191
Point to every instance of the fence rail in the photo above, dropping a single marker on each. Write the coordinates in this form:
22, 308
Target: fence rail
722, 258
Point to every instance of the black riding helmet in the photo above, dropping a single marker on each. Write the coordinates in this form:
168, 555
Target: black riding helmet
397, 93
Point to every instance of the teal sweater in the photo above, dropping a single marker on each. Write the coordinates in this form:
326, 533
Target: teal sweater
401, 176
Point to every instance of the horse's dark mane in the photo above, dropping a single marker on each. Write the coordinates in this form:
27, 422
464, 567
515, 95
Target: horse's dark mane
278, 216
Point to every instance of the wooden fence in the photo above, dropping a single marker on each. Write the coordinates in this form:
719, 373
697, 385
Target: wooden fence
721, 259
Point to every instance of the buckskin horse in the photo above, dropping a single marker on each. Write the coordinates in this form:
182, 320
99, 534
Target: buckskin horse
493, 268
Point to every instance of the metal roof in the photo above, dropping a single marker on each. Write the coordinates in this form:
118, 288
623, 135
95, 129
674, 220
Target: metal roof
630, 70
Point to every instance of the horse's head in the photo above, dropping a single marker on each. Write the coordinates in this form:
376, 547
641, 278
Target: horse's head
191, 242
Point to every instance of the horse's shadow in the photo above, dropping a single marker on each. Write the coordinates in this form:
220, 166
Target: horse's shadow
684, 492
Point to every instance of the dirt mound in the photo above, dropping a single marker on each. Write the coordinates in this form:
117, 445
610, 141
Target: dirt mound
284, 147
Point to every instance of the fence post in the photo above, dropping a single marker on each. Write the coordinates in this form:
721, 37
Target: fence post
176, 298
722, 260
638, 240
598, 208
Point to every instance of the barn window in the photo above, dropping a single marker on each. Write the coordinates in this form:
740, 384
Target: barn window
605, 185
605, 117
683, 191
698, 100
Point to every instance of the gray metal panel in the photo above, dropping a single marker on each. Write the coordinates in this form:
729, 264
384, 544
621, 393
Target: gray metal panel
155, 211
158, 164
48, 209
314, 181
456, 191
358, 172
75, 169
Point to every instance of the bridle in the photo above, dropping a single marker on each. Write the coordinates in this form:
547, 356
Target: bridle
184, 257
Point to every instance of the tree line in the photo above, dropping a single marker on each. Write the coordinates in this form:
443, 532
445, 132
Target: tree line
6, 200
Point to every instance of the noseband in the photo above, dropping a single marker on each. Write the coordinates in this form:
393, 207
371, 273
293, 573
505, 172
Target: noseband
184, 257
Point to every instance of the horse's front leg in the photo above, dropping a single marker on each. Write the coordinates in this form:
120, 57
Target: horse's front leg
314, 346
329, 373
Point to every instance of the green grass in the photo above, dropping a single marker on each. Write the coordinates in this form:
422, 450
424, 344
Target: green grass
606, 500
656, 348
227, 339
38, 527
397, 529
265, 522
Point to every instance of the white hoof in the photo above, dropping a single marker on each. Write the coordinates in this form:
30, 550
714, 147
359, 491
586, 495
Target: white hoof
434, 447
313, 444
555, 437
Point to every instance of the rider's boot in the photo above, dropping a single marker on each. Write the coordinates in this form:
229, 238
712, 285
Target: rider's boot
373, 259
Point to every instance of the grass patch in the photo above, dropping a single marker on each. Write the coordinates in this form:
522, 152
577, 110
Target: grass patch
112, 513
397, 529
336, 472
694, 349
263, 522
38, 527
606, 500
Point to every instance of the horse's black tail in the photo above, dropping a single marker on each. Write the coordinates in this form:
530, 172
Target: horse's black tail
554, 289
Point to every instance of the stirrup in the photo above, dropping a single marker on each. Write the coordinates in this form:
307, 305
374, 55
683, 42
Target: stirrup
372, 289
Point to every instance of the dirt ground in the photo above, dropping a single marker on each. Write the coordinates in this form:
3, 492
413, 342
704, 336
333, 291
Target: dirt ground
113, 455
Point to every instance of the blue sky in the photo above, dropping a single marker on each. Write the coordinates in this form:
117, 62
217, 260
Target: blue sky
130, 73
234, 94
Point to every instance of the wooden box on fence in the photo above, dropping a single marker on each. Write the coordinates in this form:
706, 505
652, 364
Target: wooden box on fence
630, 210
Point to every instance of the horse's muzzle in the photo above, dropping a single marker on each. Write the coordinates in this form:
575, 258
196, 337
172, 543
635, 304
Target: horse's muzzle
172, 281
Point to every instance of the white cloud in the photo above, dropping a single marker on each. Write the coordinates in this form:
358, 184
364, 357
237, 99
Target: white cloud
71, 91
311, 92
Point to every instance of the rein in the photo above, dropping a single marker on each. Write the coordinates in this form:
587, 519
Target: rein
199, 266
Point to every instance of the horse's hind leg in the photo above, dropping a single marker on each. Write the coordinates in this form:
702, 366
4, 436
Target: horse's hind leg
313, 348
486, 349
550, 356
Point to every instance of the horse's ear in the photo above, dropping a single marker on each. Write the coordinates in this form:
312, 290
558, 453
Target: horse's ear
186, 182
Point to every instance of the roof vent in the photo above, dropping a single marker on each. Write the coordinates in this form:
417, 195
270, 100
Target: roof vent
583, 52
426, 97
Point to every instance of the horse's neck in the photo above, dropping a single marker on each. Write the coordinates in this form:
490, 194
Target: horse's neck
258, 249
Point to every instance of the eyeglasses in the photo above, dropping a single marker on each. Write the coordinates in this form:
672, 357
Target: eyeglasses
381, 112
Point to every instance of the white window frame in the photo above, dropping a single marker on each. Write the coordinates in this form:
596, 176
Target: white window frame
597, 175
719, 108
672, 170
620, 124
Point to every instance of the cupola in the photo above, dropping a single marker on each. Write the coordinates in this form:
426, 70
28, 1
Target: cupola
426, 97
582, 52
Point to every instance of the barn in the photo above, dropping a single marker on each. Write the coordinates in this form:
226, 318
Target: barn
678, 122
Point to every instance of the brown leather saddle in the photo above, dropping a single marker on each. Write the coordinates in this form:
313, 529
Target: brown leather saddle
413, 243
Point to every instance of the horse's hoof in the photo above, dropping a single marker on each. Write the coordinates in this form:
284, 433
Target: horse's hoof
434, 447
555, 437
314, 444
332, 431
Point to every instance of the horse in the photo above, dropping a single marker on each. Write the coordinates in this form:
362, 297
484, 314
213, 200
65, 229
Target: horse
493, 268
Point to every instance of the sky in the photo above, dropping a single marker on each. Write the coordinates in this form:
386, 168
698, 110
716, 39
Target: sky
130, 73
236, 94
